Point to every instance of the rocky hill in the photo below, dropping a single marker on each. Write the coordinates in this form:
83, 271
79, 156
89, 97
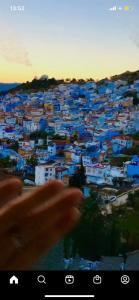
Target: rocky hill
128, 76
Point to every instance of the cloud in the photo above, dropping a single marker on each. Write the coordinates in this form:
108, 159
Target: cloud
13, 50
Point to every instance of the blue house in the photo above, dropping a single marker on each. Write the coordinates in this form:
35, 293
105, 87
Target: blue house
42, 124
21, 163
86, 191
133, 168
102, 90
116, 148
111, 85
111, 133
135, 159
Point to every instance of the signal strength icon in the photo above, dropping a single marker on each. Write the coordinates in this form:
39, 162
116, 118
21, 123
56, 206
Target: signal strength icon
114, 8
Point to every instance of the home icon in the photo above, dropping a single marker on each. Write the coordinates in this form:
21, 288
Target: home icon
14, 280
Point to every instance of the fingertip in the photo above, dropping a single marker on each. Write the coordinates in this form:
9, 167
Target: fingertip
53, 184
16, 184
77, 192
74, 215
75, 195
13, 181
70, 219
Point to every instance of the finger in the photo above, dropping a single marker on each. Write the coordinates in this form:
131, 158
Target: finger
18, 207
45, 241
30, 228
9, 190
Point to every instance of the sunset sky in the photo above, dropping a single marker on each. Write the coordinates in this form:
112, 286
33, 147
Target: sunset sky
68, 39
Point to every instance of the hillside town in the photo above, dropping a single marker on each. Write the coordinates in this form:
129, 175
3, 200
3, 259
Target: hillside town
48, 134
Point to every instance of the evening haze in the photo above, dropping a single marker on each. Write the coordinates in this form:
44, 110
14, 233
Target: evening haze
68, 39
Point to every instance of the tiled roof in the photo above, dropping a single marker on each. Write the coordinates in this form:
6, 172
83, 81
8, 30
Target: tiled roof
122, 137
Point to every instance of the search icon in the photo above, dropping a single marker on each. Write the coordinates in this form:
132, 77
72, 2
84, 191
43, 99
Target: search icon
41, 279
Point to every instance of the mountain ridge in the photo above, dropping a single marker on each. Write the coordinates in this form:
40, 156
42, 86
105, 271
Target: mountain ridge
44, 84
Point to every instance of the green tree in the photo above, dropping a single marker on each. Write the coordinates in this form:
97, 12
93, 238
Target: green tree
119, 160
113, 244
135, 136
73, 80
14, 146
58, 137
100, 235
75, 137
38, 135
88, 237
131, 200
132, 151
6, 162
81, 81
32, 161
134, 95
78, 179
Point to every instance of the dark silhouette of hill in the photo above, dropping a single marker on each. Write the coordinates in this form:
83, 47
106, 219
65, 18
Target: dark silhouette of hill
36, 85
128, 76
44, 84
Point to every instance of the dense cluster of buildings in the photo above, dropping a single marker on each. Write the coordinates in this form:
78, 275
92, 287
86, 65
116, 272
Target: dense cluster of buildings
90, 122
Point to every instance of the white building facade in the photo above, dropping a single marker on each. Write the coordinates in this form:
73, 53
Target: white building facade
44, 173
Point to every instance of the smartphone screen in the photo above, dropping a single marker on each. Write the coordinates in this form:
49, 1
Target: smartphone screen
69, 112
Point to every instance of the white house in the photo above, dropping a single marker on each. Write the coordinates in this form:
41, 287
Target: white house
44, 173
25, 145
32, 144
120, 83
30, 126
97, 173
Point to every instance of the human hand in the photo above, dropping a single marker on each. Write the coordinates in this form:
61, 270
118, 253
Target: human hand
30, 224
